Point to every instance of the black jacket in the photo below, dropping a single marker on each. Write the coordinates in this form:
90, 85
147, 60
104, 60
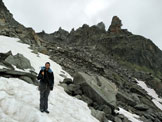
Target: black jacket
47, 78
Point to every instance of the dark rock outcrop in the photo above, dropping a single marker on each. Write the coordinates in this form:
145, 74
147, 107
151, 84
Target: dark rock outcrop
10, 27
115, 26
28, 77
19, 61
8, 60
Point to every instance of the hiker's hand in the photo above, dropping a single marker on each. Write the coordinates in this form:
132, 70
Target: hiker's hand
42, 73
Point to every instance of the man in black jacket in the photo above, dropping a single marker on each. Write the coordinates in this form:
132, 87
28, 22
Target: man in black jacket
46, 78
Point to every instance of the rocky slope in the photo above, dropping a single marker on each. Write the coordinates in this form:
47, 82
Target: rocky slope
94, 49
10, 27
116, 54
104, 64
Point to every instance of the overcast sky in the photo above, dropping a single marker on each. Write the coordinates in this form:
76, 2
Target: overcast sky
143, 17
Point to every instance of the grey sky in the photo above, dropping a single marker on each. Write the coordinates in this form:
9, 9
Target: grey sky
143, 17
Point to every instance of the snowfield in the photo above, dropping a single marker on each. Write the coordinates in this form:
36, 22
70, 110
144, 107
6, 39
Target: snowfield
151, 92
19, 101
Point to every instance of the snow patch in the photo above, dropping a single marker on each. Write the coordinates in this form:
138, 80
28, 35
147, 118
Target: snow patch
2, 67
130, 116
151, 92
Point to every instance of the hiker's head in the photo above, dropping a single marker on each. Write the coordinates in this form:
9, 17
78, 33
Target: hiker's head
47, 65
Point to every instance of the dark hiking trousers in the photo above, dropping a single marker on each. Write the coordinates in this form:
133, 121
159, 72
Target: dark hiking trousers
44, 93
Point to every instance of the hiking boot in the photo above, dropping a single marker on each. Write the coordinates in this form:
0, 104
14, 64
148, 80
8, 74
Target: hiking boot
41, 110
46, 111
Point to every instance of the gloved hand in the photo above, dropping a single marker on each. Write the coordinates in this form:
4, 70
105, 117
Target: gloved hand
51, 88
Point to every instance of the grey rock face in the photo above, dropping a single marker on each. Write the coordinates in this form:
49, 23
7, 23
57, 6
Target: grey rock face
28, 77
101, 26
97, 88
7, 60
19, 61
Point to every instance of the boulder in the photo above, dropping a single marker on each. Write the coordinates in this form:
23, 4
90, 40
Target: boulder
19, 61
28, 77
97, 88
125, 98
107, 109
3, 56
100, 115
70, 88
68, 81
43, 50
117, 119
8, 65
138, 90
141, 107
147, 120
149, 115
159, 115
136, 98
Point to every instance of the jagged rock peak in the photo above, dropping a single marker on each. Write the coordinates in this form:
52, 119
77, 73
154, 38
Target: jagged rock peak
116, 25
85, 26
43, 32
101, 26
62, 30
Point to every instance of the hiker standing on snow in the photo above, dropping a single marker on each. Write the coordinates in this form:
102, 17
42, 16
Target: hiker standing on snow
46, 78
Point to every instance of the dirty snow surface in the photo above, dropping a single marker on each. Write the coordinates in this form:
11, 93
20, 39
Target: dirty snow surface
19, 101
